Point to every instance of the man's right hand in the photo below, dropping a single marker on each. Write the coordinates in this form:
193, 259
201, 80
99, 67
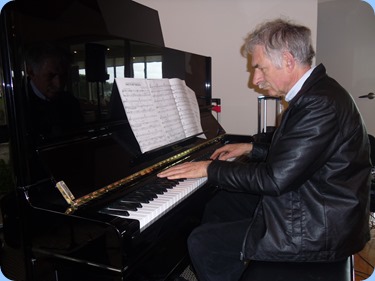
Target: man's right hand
232, 150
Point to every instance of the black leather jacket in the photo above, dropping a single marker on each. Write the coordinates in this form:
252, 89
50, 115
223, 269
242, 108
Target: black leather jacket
314, 183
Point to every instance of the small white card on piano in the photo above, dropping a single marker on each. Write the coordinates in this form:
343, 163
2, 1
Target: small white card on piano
160, 111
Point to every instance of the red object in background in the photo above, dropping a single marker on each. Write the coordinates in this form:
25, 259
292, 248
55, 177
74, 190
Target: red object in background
217, 108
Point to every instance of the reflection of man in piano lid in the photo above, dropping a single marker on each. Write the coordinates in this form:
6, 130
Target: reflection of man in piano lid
313, 180
53, 108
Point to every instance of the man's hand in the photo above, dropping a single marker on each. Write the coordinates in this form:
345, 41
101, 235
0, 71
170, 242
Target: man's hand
232, 150
186, 170
199, 169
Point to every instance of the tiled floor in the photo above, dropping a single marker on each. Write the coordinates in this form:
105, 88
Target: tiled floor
364, 261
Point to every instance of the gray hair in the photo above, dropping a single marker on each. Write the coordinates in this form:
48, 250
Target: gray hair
279, 36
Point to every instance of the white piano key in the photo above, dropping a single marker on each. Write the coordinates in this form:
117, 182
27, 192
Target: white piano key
151, 211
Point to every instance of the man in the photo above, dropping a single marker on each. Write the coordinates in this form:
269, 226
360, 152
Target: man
313, 184
53, 110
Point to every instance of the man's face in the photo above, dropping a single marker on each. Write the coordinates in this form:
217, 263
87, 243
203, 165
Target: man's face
50, 77
267, 76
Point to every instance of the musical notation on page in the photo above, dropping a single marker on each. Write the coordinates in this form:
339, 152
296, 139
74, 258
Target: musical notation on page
160, 111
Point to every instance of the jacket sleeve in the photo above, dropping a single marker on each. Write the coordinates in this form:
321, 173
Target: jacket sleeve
307, 137
259, 151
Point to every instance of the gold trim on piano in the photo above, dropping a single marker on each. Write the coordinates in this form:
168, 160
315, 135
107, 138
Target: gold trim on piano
76, 203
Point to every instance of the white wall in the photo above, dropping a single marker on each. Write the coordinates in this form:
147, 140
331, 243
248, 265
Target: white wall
216, 28
345, 45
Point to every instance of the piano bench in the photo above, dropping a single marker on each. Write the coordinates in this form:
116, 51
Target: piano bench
292, 271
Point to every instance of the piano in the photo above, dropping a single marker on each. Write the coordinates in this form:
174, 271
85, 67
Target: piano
86, 202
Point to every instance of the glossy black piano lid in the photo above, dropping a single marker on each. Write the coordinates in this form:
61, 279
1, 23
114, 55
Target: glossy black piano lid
101, 149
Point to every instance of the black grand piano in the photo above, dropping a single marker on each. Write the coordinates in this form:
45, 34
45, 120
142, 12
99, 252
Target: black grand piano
66, 218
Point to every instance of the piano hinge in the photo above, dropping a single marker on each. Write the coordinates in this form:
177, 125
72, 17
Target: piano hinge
66, 193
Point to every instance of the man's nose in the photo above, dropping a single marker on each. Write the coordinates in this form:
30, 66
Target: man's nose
257, 77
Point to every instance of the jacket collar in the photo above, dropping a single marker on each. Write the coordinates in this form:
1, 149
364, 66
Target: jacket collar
318, 73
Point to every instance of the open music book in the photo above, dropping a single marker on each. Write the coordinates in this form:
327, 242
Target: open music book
160, 111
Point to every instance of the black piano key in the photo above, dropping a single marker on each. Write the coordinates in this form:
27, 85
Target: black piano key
147, 194
155, 189
133, 202
166, 184
128, 206
137, 198
115, 212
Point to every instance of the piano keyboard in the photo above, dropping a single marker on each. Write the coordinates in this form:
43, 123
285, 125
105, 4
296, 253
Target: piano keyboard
151, 201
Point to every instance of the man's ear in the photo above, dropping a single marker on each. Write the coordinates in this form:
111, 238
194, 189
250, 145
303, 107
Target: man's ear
289, 61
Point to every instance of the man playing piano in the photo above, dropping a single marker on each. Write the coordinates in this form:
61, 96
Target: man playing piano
308, 200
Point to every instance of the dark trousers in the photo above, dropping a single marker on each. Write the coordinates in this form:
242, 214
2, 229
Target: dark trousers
215, 245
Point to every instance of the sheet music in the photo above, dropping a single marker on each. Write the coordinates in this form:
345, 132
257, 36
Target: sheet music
160, 111
187, 105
